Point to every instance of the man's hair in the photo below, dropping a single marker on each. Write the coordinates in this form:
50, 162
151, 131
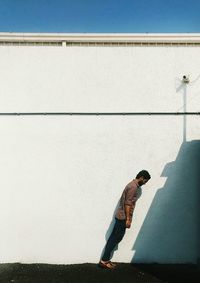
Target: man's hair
144, 174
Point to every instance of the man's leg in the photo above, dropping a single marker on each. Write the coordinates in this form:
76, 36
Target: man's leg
115, 237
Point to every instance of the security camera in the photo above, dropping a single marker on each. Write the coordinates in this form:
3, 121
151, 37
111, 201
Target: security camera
185, 79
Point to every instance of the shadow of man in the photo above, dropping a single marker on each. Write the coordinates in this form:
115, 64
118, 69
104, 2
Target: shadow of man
171, 230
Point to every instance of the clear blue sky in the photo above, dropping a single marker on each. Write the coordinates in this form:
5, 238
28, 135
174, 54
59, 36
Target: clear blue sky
100, 16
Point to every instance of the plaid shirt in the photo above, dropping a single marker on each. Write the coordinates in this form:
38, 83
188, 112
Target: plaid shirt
129, 197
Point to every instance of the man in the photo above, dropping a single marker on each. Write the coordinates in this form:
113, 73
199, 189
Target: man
123, 216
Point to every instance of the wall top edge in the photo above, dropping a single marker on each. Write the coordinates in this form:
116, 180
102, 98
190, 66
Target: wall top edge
108, 37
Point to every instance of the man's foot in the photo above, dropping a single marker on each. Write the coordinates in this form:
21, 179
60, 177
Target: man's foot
113, 264
107, 264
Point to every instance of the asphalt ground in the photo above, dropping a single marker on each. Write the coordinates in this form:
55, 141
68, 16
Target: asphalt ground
91, 273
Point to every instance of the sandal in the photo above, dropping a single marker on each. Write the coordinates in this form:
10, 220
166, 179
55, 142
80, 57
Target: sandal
113, 264
107, 265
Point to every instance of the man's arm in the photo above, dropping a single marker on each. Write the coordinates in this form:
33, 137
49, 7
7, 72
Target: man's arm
129, 211
130, 200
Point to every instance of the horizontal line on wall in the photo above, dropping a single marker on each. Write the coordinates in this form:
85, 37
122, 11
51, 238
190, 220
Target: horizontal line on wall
30, 43
98, 43
97, 113
127, 44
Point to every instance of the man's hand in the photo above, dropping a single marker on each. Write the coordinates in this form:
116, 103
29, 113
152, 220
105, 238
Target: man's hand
128, 212
128, 223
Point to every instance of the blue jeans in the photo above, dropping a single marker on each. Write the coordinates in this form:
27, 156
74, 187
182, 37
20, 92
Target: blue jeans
116, 236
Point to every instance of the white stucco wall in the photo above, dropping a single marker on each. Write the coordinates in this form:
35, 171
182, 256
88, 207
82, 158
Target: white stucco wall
97, 78
62, 176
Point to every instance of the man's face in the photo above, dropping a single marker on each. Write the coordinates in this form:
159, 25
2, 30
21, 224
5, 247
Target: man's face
142, 181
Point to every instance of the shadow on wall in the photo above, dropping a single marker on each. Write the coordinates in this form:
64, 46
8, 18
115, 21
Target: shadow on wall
171, 230
109, 231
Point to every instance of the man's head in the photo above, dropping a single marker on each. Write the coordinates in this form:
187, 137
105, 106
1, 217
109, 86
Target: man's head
143, 177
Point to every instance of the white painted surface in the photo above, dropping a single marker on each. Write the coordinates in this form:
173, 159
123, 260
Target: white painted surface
62, 176
97, 78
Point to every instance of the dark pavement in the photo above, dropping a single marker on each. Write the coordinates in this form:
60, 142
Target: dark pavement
87, 273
